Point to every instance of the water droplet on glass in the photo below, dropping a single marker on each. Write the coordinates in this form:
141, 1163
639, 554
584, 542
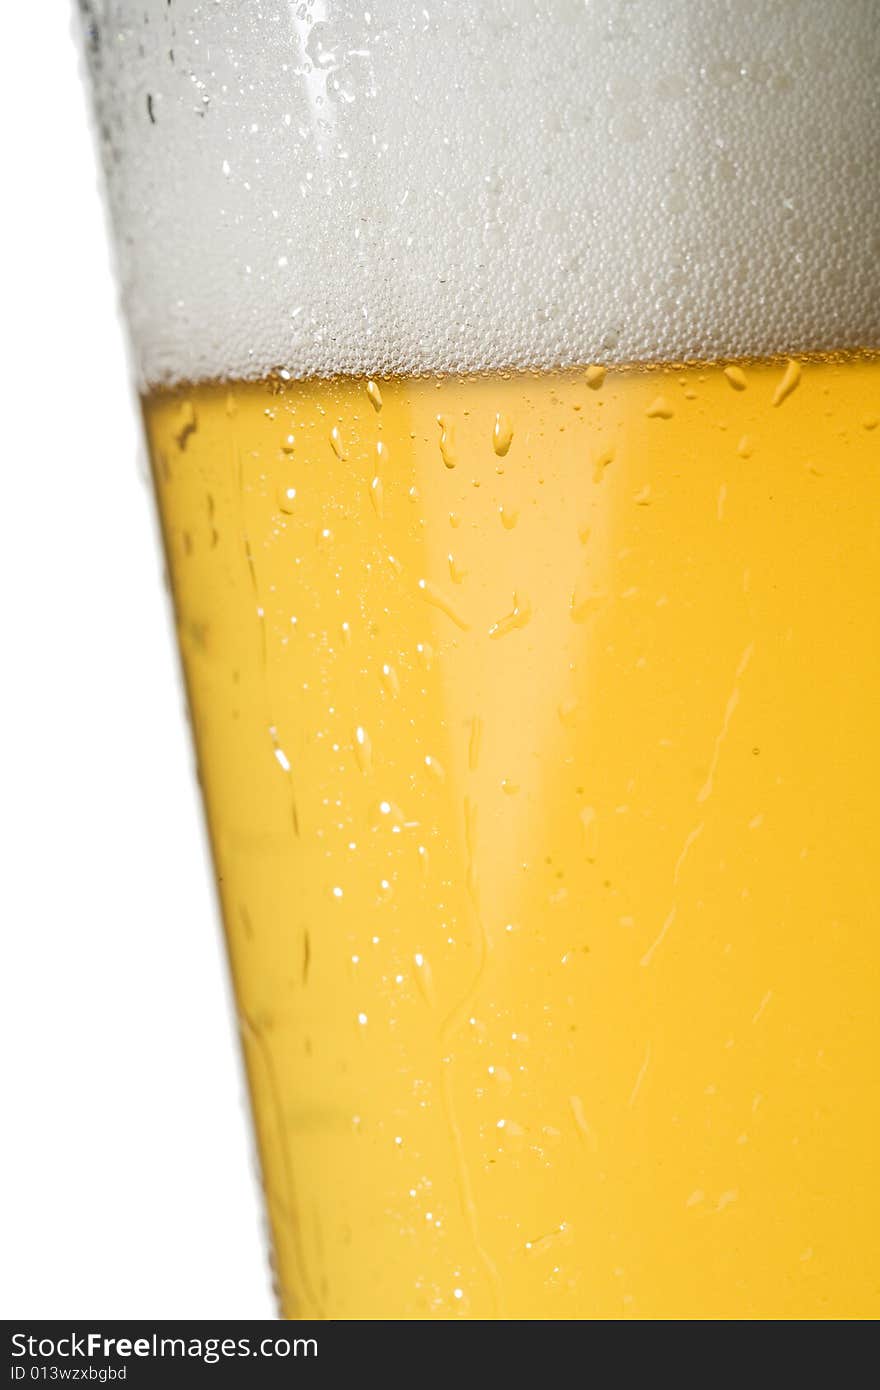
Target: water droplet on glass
423, 978
390, 681
386, 813
186, 423
585, 602
502, 435
363, 749
737, 378
457, 572
447, 440
518, 617
722, 498
432, 595
746, 447
602, 461
435, 767
337, 445
790, 378
377, 496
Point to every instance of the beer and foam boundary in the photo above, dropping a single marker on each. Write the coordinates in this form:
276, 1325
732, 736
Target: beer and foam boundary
327, 190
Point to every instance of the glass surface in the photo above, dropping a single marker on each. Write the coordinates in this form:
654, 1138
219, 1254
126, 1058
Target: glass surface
511, 386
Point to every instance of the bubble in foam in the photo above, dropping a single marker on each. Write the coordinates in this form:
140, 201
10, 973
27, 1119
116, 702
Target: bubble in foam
326, 187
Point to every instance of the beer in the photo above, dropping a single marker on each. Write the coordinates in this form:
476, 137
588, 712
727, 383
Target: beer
535, 723
511, 382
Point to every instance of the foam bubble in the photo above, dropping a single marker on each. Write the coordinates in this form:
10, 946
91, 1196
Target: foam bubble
381, 187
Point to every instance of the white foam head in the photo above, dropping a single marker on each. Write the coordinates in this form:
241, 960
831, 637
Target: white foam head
357, 187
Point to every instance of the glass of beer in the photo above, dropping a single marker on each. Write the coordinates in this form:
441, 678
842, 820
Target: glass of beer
510, 380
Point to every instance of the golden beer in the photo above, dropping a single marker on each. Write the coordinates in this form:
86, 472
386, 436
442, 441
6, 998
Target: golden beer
535, 701
536, 721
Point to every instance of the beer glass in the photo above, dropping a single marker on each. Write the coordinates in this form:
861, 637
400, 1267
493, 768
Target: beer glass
509, 373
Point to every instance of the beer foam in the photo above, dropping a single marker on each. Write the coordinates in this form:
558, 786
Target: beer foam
379, 187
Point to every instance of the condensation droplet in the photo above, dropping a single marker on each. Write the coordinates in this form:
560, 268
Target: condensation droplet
377, 496
722, 498
561, 1236
337, 445
594, 377
502, 435
737, 377
432, 595
363, 749
660, 409
447, 440
746, 447
602, 461
423, 978
387, 813
187, 423
390, 681
375, 395
457, 573
585, 602
509, 517
518, 617
790, 378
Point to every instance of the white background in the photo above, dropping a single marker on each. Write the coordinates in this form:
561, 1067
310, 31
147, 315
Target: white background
128, 1184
